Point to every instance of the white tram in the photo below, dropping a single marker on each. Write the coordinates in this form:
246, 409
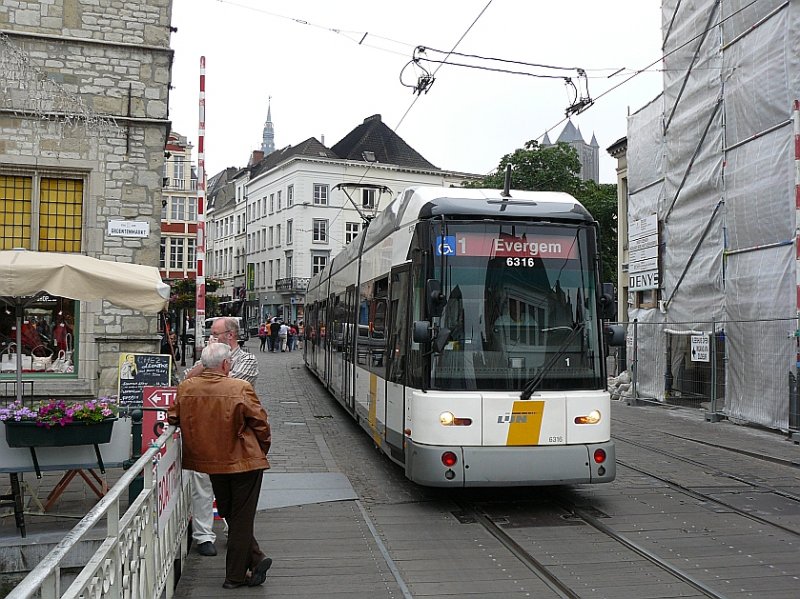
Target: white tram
463, 330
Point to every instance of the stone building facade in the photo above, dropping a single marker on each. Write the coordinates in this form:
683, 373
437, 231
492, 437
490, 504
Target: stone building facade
83, 125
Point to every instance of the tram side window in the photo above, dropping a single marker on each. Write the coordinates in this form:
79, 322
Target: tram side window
323, 322
310, 325
372, 326
418, 361
398, 328
338, 324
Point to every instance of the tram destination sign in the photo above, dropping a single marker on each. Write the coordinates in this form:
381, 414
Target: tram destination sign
493, 245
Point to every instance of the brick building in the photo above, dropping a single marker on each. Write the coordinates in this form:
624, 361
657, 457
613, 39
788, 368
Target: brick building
83, 125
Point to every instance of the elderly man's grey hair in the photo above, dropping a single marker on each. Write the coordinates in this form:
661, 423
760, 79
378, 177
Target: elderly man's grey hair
231, 324
214, 354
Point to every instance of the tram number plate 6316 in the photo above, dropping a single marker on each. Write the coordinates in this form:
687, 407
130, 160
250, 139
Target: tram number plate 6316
555, 439
516, 261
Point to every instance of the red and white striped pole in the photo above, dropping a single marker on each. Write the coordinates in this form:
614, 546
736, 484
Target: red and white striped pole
200, 297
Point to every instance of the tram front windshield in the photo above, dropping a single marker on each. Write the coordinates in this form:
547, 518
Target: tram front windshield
520, 305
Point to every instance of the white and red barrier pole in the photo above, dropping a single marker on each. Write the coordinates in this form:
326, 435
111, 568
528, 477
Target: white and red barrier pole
200, 297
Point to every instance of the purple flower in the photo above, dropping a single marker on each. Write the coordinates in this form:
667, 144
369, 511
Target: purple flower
59, 412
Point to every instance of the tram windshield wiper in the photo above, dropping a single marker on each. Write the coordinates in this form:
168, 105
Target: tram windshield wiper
532, 384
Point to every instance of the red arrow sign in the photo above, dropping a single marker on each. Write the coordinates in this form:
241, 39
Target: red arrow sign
154, 421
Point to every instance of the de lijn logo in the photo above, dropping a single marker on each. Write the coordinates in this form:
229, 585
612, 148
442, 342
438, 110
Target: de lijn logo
510, 417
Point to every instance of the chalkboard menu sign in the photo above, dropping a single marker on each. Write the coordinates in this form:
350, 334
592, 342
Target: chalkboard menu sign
137, 371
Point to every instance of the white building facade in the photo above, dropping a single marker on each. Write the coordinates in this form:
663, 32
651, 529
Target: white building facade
300, 220
281, 220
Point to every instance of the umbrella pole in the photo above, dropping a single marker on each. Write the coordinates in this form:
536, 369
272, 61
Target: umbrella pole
18, 310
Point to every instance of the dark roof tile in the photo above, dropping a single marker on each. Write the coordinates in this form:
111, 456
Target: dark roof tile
310, 148
373, 135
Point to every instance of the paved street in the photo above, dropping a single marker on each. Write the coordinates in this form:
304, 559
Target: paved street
698, 509
340, 519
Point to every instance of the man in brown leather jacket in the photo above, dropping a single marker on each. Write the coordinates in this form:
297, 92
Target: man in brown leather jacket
226, 434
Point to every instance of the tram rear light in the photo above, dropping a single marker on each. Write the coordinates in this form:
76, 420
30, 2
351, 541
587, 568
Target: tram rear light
449, 459
448, 419
592, 417
599, 456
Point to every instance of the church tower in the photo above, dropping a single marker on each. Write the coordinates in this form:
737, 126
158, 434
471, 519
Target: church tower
588, 154
268, 136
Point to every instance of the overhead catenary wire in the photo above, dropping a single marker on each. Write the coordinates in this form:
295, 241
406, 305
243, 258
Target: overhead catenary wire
416, 98
638, 72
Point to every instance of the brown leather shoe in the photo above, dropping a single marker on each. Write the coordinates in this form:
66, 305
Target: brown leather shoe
207, 549
233, 585
259, 573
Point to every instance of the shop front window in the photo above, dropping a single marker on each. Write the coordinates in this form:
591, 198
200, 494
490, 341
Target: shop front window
47, 337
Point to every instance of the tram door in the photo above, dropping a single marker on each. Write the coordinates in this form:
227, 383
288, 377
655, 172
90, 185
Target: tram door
327, 347
397, 335
348, 353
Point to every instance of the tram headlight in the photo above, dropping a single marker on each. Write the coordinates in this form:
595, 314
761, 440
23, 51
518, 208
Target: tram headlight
592, 417
449, 419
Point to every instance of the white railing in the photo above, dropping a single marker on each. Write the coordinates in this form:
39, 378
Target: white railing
137, 558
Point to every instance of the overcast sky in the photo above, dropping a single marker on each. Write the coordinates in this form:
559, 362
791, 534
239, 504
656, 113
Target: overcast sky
329, 64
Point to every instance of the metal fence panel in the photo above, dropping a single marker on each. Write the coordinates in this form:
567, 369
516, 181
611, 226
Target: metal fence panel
743, 370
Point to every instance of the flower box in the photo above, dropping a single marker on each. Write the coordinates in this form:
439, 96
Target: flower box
32, 434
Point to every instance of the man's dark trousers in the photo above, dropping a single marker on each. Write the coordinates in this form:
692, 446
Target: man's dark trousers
237, 498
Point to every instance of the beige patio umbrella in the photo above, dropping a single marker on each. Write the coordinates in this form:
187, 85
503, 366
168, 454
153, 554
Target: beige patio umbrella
25, 274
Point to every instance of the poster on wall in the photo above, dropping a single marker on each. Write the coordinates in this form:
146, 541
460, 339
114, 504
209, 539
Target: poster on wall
137, 371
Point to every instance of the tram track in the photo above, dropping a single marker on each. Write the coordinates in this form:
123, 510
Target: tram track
735, 450
562, 588
732, 476
528, 560
738, 451
701, 496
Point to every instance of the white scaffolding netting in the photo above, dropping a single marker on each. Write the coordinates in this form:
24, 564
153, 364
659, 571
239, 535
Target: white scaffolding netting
713, 157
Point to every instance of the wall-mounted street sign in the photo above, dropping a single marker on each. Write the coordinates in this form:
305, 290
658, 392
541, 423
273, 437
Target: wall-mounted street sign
641, 281
700, 348
643, 227
128, 228
643, 253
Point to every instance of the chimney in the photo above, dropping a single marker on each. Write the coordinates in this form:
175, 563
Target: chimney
258, 156
322, 139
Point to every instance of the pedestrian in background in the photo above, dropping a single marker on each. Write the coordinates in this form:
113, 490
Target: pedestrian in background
262, 335
274, 329
225, 433
283, 335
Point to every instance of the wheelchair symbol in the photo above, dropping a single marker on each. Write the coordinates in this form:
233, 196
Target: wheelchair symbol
446, 246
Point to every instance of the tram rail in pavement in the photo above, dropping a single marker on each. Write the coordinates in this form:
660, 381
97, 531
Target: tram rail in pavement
310, 519
328, 542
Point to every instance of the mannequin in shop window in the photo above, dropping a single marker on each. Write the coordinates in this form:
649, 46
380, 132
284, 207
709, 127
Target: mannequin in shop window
61, 329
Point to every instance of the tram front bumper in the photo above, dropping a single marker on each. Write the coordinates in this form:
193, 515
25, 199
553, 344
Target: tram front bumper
510, 466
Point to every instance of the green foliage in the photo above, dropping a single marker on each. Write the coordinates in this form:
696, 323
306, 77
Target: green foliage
184, 294
600, 199
536, 168
557, 168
